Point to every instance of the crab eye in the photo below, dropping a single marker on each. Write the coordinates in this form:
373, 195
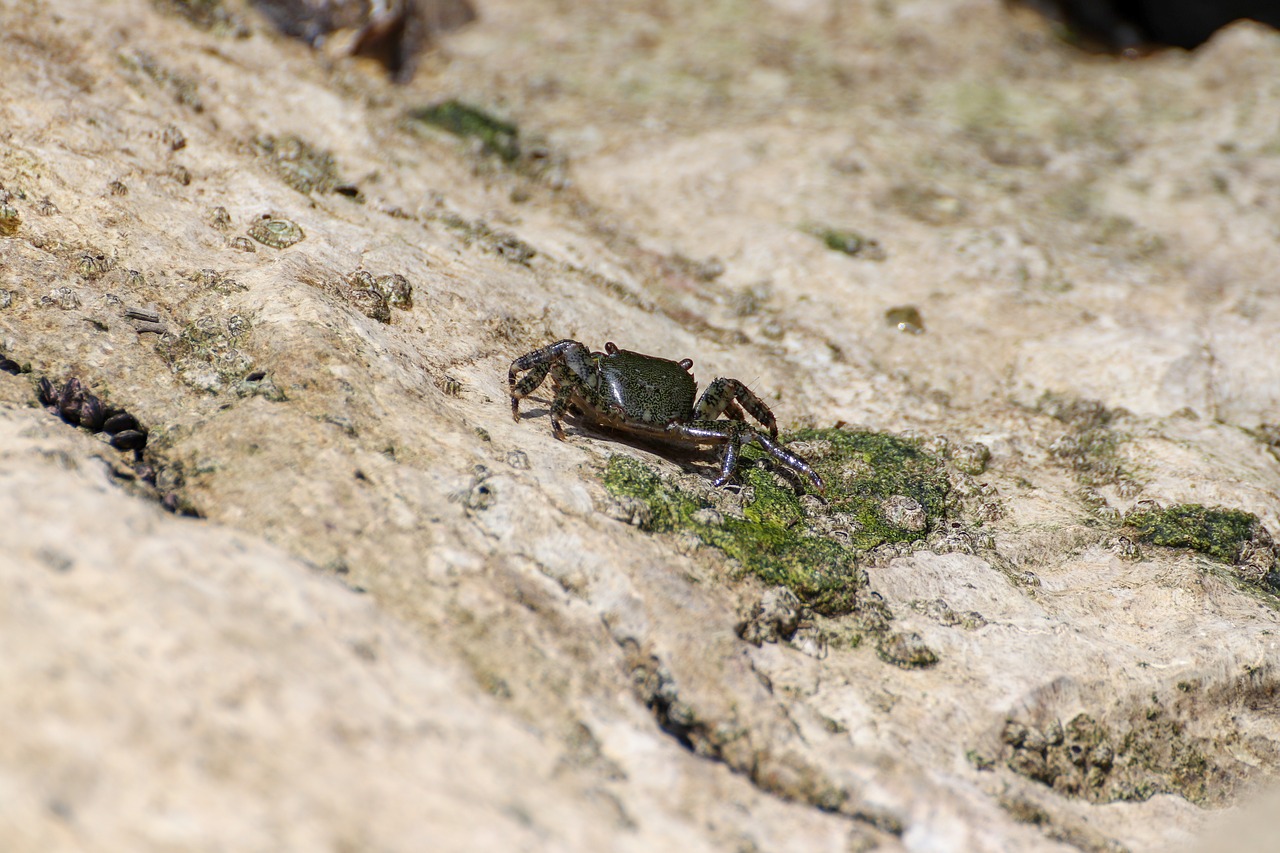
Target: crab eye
686, 363
611, 348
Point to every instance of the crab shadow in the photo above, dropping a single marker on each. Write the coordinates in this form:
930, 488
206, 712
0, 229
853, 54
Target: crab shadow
702, 460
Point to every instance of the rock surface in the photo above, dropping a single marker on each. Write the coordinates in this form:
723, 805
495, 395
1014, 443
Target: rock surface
342, 601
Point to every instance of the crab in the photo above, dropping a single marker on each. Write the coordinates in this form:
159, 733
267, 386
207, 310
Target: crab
651, 397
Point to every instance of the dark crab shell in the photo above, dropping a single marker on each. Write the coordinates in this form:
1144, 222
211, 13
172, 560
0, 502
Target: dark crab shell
654, 391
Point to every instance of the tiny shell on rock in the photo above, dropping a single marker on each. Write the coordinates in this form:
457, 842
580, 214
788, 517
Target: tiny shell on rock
47, 394
119, 423
129, 439
372, 304
904, 512
276, 233
91, 264
92, 413
396, 290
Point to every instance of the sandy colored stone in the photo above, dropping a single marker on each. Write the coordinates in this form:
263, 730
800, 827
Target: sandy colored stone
406, 621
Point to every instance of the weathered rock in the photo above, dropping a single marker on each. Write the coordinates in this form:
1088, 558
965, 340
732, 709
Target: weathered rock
407, 620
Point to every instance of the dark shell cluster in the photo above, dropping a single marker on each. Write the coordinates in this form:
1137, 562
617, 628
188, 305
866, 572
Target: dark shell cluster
78, 406
147, 475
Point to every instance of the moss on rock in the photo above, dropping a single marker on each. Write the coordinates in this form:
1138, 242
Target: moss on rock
497, 136
864, 470
778, 538
1215, 532
820, 572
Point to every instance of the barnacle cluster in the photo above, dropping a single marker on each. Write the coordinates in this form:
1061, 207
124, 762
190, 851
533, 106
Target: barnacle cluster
373, 295
208, 353
1091, 760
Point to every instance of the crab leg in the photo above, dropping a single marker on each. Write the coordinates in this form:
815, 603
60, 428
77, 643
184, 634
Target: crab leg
539, 363
786, 457
566, 385
724, 395
729, 459
526, 386
734, 435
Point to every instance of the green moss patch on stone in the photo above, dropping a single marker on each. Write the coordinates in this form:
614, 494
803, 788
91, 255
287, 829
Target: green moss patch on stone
778, 538
820, 572
849, 242
1215, 532
864, 469
497, 136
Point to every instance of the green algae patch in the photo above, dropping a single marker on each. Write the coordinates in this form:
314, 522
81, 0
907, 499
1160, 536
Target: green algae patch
851, 243
495, 135
765, 540
1214, 532
806, 546
865, 470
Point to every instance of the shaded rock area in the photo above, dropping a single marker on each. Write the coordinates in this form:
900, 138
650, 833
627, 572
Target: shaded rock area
282, 571
1124, 25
